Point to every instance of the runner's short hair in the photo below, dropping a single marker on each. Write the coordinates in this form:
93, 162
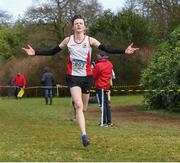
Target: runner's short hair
76, 17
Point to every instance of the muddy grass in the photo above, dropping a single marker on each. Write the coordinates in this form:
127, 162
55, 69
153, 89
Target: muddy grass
135, 114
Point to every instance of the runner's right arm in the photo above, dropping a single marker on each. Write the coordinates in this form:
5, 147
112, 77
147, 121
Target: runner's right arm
47, 52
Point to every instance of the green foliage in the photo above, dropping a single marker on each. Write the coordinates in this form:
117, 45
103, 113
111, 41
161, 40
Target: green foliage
103, 24
11, 39
163, 73
125, 26
133, 27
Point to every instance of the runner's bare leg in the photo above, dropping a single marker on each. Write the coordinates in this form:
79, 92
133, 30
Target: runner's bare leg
77, 98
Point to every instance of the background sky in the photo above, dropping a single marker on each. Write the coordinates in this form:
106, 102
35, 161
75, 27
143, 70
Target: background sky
17, 7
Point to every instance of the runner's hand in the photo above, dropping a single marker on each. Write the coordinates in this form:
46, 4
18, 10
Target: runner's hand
29, 50
130, 49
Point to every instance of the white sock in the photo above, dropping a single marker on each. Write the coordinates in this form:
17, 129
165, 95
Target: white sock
84, 133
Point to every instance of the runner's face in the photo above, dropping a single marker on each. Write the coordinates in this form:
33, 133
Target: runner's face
78, 26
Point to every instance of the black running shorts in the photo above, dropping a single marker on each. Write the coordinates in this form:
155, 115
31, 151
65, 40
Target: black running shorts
84, 82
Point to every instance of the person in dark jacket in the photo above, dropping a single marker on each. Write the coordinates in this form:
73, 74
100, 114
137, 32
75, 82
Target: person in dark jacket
102, 74
48, 82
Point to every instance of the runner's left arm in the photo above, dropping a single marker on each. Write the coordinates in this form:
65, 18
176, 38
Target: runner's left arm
95, 43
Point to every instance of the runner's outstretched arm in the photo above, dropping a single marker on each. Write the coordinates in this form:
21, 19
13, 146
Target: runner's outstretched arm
47, 52
109, 49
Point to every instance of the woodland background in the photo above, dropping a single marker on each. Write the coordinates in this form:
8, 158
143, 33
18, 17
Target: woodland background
147, 23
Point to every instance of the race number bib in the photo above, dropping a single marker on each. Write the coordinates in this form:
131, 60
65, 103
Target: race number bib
78, 64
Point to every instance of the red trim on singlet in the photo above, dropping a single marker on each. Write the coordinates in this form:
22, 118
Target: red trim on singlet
79, 42
69, 66
88, 66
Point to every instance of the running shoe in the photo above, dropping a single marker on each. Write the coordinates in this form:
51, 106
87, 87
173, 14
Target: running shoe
110, 125
104, 125
85, 140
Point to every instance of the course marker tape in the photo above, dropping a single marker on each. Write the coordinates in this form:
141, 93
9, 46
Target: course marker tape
93, 90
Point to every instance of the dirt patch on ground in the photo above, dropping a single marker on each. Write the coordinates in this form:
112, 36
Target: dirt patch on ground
132, 113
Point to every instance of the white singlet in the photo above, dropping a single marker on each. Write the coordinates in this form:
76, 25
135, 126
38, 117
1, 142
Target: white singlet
79, 57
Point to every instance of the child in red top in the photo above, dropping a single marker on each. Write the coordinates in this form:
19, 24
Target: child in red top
19, 82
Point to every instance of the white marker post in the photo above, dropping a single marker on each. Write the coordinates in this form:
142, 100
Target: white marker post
102, 106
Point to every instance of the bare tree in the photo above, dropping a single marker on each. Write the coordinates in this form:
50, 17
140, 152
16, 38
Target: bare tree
57, 13
90, 9
4, 17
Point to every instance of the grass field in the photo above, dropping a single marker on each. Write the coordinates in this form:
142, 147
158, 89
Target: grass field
32, 131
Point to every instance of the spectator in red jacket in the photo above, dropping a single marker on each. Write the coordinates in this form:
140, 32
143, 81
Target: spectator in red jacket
102, 74
19, 82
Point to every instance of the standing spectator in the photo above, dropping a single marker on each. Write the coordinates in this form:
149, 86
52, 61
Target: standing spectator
48, 82
20, 83
102, 74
